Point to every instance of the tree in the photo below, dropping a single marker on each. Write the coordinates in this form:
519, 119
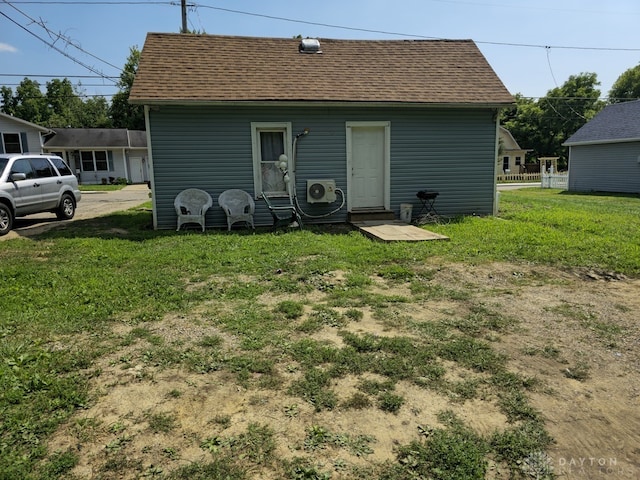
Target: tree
28, 103
543, 125
626, 87
60, 106
122, 113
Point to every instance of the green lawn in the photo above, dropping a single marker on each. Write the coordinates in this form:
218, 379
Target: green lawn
79, 281
101, 187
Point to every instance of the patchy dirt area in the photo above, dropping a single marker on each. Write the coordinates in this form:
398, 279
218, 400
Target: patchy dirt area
576, 332
574, 325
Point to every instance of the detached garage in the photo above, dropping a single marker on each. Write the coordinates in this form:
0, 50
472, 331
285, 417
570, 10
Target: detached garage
604, 155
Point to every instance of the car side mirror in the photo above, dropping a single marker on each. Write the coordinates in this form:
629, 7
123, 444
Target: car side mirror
18, 176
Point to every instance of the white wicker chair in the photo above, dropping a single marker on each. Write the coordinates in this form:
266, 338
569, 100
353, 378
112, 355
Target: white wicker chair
238, 205
191, 206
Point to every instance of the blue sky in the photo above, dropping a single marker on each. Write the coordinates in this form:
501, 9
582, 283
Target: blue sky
604, 36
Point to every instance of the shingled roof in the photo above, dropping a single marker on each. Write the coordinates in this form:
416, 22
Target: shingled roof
619, 122
186, 68
97, 138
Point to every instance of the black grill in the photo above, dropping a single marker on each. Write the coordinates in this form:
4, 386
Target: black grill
426, 195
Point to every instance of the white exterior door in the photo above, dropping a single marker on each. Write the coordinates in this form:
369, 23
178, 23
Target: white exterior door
368, 163
136, 171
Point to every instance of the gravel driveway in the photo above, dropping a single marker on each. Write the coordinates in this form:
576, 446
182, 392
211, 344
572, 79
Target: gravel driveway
93, 204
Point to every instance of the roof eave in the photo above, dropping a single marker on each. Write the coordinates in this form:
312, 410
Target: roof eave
26, 123
318, 103
600, 142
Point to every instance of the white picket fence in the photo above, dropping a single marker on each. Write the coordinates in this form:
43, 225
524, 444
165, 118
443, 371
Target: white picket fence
518, 177
555, 180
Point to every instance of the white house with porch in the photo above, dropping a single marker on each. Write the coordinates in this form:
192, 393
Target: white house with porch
102, 155
511, 157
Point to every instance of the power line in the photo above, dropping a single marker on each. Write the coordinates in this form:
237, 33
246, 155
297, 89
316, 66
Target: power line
54, 76
326, 25
59, 36
400, 34
75, 60
81, 84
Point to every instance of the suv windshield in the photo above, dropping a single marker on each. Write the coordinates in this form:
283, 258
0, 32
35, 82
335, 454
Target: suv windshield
3, 164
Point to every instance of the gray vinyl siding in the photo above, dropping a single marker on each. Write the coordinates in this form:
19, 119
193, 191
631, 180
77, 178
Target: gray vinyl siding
450, 150
613, 167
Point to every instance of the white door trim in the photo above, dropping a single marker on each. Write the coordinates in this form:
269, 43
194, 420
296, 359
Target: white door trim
387, 159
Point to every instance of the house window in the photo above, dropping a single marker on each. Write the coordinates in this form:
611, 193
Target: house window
94, 161
518, 161
11, 143
269, 141
505, 164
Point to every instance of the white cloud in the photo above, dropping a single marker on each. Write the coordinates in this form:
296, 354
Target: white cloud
5, 47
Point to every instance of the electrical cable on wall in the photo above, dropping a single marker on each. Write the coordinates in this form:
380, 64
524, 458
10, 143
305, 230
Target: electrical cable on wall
294, 155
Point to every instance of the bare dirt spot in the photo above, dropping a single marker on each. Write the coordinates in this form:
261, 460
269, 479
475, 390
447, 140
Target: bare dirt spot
576, 333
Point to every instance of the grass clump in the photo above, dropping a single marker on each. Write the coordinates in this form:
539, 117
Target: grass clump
161, 422
314, 389
455, 453
290, 309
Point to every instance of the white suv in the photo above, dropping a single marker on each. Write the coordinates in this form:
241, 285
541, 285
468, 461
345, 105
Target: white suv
34, 183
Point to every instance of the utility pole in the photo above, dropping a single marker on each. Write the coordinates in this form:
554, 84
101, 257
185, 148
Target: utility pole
184, 16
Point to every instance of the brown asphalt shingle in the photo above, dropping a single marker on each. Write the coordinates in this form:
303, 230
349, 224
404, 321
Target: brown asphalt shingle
186, 68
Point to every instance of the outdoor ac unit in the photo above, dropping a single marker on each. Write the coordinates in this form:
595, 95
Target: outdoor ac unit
321, 191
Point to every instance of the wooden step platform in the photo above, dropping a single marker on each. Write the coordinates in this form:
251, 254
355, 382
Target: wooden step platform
396, 231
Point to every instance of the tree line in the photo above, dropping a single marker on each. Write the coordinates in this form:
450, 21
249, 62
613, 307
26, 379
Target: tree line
541, 125
62, 104
544, 124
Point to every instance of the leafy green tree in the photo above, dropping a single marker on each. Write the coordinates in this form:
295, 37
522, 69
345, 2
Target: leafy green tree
95, 111
8, 101
29, 103
626, 87
63, 104
122, 113
545, 124
60, 106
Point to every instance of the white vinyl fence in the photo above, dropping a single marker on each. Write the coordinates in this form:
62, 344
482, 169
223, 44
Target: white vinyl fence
518, 177
555, 180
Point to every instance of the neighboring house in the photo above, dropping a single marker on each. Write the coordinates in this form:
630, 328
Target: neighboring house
604, 154
511, 158
382, 119
20, 136
102, 155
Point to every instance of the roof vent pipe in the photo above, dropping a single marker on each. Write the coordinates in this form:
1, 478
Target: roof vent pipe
309, 45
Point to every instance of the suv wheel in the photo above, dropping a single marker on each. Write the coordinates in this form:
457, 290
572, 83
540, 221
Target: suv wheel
67, 208
6, 219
